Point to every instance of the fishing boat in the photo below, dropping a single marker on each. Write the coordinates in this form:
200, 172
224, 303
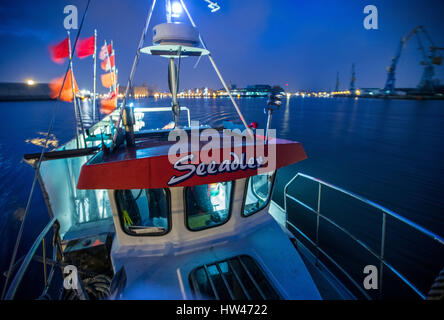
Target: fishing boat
152, 213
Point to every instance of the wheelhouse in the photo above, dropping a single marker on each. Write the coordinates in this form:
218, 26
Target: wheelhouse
155, 201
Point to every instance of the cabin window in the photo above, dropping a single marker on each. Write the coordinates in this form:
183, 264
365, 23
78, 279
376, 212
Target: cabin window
144, 211
208, 205
258, 193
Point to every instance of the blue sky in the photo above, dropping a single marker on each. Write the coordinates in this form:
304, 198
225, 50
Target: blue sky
302, 43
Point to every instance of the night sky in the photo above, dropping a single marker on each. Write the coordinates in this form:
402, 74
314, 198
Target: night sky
302, 43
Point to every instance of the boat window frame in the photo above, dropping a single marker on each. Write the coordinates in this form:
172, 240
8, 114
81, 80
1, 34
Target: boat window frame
247, 181
153, 234
230, 209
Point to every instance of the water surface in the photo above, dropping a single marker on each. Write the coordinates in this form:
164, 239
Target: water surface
389, 151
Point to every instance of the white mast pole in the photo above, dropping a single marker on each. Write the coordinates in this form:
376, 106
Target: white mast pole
73, 90
108, 62
95, 75
168, 10
114, 75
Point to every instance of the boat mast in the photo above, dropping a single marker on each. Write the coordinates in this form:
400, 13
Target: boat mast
136, 59
73, 90
95, 75
133, 69
169, 10
108, 66
77, 110
113, 53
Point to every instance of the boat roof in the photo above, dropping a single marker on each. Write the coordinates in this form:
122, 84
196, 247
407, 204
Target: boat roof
150, 164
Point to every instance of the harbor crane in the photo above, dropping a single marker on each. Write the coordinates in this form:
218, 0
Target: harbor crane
430, 59
337, 82
353, 80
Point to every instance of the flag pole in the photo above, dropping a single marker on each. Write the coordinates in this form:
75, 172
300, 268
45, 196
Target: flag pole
95, 75
73, 90
114, 74
76, 107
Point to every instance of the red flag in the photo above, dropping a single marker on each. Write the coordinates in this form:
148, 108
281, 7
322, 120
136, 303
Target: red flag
85, 47
108, 79
59, 51
56, 84
112, 61
102, 54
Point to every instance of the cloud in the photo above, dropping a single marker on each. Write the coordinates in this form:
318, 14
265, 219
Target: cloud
24, 32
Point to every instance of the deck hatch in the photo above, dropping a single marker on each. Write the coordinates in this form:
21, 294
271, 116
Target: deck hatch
238, 278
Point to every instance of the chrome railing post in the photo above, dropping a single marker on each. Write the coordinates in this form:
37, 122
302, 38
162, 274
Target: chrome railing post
381, 256
24, 266
45, 278
318, 212
285, 190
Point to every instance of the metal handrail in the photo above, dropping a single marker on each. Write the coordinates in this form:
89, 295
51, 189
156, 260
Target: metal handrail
380, 209
28, 258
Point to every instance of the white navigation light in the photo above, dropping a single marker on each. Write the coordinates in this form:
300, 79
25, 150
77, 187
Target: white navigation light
176, 9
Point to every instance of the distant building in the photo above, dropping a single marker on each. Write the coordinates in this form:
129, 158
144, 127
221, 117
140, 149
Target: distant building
140, 91
258, 90
137, 91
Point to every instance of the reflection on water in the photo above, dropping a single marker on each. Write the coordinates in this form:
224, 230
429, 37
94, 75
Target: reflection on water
41, 141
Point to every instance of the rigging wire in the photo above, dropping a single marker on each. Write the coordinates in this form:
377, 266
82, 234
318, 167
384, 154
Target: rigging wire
241, 116
133, 69
39, 161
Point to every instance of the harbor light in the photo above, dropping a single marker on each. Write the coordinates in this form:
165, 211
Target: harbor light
176, 9
30, 82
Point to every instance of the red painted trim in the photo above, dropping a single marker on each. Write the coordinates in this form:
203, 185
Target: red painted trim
156, 171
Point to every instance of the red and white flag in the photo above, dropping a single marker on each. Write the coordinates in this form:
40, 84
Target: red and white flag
103, 55
108, 66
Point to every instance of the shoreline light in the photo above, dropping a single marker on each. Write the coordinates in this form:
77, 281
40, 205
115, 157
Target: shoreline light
30, 82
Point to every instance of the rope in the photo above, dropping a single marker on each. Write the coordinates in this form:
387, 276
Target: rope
37, 165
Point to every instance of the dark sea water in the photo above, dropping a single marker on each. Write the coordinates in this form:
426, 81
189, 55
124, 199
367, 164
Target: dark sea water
389, 151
